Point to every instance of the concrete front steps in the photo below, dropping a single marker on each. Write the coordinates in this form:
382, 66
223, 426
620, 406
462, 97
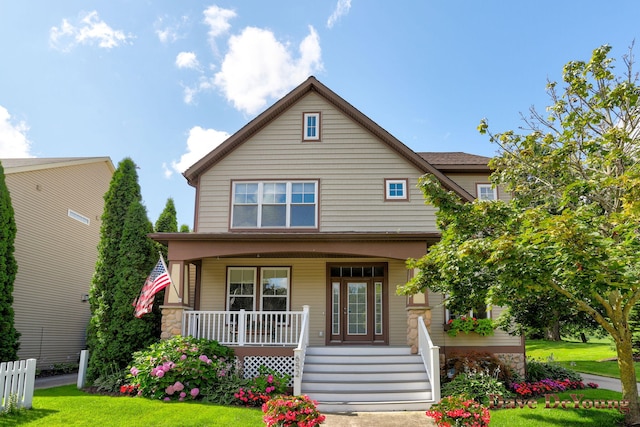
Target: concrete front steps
366, 379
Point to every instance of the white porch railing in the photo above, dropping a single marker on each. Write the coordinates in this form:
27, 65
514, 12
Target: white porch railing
17, 381
300, 352
245, 328
430, 357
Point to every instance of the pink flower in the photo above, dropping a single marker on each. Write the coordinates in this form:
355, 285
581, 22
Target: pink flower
183, 357
178, 386
160, 373
194, 392
169, 390
183, 395
167, 399
134, 371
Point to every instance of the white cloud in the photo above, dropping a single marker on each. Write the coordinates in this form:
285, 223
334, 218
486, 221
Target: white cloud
258, 67
218, 20
342, 8
187, 60
170, 32
89, 31
199, 143
13, 137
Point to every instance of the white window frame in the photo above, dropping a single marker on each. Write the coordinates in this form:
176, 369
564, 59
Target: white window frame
262, 283
448, 315
289, 203
481, 187
255, 285
405, 189
306, 127
78, 217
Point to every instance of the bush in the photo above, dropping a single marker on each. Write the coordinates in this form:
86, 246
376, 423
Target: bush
459, 411
286, 411
478, 362
260, 389
538, 371
223, 393
475, 385
538, 388
178, 368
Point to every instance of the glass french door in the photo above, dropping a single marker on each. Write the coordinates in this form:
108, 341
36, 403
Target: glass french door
356, 310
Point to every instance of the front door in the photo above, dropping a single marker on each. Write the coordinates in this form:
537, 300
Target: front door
357, 305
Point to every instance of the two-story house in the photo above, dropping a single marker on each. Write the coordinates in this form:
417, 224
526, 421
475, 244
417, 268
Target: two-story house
304, 219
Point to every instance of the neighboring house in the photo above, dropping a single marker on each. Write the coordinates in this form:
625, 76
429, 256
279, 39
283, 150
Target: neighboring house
58, 203
308, 213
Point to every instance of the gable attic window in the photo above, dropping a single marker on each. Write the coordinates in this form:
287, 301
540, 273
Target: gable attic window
75, 215
396, 189
486, 192
277, 204
311, 127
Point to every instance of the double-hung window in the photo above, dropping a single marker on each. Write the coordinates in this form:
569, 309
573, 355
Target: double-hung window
270, 294
486, 192
275, 204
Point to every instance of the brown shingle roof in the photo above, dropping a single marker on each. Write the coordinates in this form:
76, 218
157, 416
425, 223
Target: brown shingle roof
456, 161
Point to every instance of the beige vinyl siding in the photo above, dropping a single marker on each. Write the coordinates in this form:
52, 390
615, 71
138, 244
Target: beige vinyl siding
56, 257
308, 286
349, 163
468, 182
440, 337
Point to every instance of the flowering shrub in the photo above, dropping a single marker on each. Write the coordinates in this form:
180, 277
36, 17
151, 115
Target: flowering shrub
266, 385
285, 411
176, 369
467, 324
129, 390
538, 388
459, 411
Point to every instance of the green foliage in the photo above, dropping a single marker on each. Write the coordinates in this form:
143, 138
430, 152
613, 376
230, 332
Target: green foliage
184, 228
179, 368
468, 324
473, 361
259, 390
9, 336
223, 393
125, 257
167, 221
571, 229
111, 378
459, 411
538, 370
476, 385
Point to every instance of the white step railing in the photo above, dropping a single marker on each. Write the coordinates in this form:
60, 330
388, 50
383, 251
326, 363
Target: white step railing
300, 352
17, 380
430, 357
245, 328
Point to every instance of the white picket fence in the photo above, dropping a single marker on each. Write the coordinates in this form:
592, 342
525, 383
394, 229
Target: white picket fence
17, 380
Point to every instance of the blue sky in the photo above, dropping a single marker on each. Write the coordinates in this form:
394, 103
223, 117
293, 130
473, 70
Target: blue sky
164, 82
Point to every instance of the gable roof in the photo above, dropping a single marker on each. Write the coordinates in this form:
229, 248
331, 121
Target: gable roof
193, 173
457, 161
16, 165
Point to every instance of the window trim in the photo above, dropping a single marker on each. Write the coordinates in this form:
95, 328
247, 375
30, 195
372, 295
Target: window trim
387, 189
448, 314
258, 276
305, 126
288, 204
480, 185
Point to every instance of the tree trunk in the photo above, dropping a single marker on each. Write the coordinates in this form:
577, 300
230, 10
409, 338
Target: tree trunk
552, 331
628, 374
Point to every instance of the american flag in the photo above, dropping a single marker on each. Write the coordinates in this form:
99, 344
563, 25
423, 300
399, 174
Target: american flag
158, 280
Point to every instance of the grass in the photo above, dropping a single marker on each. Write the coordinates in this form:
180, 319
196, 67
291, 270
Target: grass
589, 358
68, 406
569, 417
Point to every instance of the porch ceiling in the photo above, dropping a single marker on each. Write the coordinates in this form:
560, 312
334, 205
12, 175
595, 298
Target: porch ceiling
192, 246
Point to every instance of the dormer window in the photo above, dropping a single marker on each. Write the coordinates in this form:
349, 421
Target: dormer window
486, 192
311, 127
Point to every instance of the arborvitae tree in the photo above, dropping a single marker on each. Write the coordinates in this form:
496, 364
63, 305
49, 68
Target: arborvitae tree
167, 223
184, 228
123, 191
9, 343
137, 256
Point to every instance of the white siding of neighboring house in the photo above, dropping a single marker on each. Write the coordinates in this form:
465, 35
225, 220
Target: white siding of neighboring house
349, 162
56, 257
468, 182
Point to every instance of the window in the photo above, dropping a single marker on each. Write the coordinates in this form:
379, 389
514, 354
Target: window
311, 127
274, 205
75, 215
271, 295
395, 189
483, 312
486, 192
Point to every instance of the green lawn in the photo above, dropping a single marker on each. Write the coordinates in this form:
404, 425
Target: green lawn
67, 406
589, 358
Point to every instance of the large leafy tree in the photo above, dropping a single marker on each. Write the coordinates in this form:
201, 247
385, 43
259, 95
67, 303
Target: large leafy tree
9, 336
572, 229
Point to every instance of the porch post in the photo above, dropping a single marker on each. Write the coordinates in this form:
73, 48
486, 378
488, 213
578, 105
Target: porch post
176, 299
417, 306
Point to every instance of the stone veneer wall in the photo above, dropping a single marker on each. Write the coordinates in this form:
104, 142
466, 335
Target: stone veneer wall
171, 322
413, 313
